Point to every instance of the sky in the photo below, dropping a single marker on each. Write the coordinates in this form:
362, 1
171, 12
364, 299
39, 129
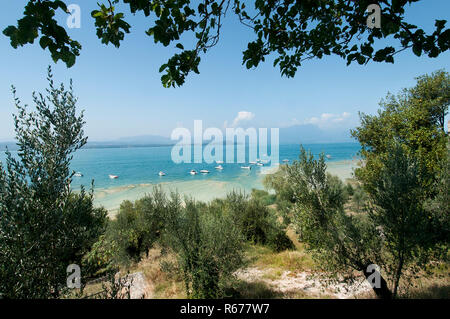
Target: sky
121, 92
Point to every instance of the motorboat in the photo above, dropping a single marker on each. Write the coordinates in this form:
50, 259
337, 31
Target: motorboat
113, 176
219, 162
260, 164
220, 167
193, 172
204, 171
285, 160
161, 173
78, 174
328, 156
246, 167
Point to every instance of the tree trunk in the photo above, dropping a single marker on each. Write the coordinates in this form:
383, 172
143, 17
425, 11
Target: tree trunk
382, 291
397, 276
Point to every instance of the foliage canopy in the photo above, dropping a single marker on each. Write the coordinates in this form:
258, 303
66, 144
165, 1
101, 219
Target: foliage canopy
291, 31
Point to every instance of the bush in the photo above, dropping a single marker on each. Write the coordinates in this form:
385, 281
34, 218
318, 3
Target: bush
99, 260
359, 199
258, 224
208, 245
264, 197
349, 189
137, 226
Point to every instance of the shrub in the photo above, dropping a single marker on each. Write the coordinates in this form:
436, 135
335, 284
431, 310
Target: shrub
137, 226
258, 224
208, 245
349, 189
359, 199
264, 197
99, 260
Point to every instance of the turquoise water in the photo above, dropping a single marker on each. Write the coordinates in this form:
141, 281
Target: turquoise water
138, 169
141, 165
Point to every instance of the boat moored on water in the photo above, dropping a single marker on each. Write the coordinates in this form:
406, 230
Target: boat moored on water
220, 167
113, 176
78, 174
246, 167
161, 173
204, 171
193, 172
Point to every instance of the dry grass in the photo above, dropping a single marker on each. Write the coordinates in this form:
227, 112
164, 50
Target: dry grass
255, 290
296, 260
434, 283
161, 284
164, 283
261, 290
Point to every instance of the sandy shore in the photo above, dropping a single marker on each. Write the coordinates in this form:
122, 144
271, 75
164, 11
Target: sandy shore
202, 190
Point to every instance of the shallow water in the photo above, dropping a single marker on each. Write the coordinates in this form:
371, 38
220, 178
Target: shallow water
138, 169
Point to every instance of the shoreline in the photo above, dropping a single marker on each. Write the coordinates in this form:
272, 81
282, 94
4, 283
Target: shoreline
201, 190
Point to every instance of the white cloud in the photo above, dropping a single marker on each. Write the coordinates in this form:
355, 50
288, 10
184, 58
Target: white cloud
327, 120
289, 123
242, 116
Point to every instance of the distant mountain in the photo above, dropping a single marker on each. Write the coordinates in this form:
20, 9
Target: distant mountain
305, 133
133, 141
137, 141
146, 139
10, 145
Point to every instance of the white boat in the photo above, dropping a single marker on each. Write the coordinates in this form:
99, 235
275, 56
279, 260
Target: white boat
219, 162
204, 171
285, 160
78, 174
113, 176
252, 162
246, 167
161, 173
328, 156
220, 167
193, 172
260, 164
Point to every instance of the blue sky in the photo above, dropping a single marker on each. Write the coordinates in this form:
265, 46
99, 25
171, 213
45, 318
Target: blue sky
121, 92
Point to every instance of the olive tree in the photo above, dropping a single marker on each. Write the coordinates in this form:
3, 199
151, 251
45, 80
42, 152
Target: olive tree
209, 247
394, 233
44, 226
415, 117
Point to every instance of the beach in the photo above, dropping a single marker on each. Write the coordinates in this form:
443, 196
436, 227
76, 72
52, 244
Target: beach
137, 171
204, 189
